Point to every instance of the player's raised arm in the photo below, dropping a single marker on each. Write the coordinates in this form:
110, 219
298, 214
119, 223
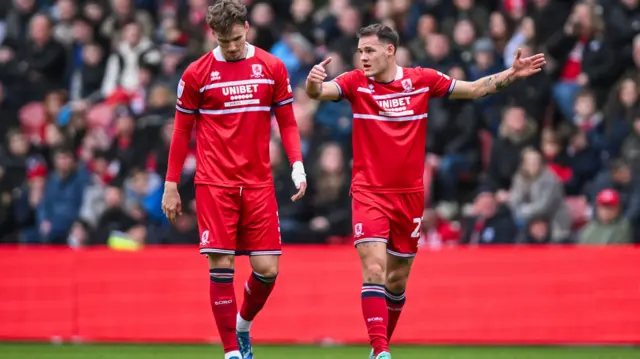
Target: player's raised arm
186, 112
488, 85
283, 108
316, 86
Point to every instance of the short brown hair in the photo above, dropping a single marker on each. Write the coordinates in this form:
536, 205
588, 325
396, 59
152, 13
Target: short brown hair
222, 15
383, 32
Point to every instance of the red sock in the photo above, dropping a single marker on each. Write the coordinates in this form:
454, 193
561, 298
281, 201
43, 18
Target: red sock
256, 292
395, 302
374, 310
223, 305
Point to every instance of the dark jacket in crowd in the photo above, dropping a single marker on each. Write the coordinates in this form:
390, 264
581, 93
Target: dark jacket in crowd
499, 229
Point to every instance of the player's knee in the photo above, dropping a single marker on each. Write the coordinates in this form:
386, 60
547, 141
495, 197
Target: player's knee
374, 273
397, 280
221, 261
267, 272
265, 266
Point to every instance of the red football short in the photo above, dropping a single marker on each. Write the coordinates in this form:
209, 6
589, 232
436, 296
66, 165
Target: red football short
394, 218
238, 221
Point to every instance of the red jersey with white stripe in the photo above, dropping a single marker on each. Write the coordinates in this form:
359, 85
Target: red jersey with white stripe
390, 126
233, 101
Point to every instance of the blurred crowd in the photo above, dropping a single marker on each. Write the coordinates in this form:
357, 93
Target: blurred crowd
87, 94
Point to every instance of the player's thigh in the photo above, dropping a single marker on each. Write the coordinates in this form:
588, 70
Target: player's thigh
370, 218
406, 224
259, 230
218, 212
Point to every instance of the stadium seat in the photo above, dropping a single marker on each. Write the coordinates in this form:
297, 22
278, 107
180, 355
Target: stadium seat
100, 115
33, 115
578, 209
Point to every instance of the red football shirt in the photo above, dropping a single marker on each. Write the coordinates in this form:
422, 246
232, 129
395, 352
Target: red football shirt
390, 126
233, 102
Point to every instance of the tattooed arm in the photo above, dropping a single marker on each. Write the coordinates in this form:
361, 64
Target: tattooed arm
485, 86
521, 68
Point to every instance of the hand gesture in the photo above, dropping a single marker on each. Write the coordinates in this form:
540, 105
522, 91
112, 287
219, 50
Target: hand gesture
319, 73
299, 178
525, 67
171, 203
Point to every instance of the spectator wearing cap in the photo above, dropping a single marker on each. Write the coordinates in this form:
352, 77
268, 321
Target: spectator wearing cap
490, 222
62, 198
620, 178
609, 225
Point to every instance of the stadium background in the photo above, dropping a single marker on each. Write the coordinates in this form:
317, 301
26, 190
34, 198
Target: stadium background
86, 105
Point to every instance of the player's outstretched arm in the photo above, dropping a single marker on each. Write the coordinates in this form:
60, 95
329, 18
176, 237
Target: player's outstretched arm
488, 85
317, 88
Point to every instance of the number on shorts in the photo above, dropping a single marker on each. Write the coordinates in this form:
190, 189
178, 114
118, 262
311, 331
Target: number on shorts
416, 232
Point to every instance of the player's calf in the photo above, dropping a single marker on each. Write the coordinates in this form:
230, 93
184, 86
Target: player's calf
398, 269
374, 307
223, 302
257, 290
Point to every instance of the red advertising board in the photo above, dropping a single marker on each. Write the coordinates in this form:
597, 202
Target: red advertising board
497, 295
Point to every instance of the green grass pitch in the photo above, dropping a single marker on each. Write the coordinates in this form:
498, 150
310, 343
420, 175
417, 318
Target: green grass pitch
48, 351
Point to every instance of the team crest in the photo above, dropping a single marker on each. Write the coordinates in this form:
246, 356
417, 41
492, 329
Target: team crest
407, 85
357, 230
180, 88
257, 71
204, 241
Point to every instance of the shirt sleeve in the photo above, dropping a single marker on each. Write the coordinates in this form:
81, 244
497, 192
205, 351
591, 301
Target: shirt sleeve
187, 107
189, 95
440, 85
283, 93
345, 82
